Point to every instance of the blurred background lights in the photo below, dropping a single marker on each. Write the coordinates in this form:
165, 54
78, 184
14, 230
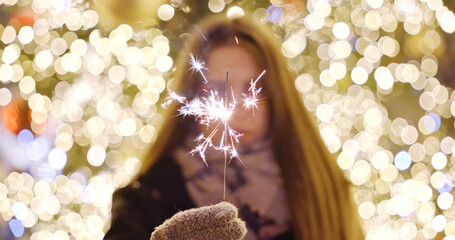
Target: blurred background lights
359, 75
402, 160
17, 228
161, 48
235, 12
274, 14
78, 46
57, 158
429, 67
445, 200
447, 187
117, 74
424, 193
341, 30
372, 118
327, 79
345, 161
434, 4
20, 210
409, 135
58, 58
43, 171
37, 149
5, 96
340, 49
36, 102
384, 78
96, 65
6, 73
351, 148
293, 46
10, 54
314, 21
96, 155
337, 70
373, 20
438, 223
304, 83
9, 34
439, 161
447, 145
216, 6
43, 59
27, 85
432, 122
131, 56
164, 63
447, 22
322, 7
437, 180
380, 160
389, 46
127, 127
324, 112
166, 12
24, 137
375, 3
407, 7
366, 210
360, 172
408, 231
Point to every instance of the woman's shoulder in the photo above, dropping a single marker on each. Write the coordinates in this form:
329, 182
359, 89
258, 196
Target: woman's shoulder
149, 200
163, 174
162, 183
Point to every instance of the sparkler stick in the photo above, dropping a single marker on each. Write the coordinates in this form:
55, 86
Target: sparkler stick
226, 97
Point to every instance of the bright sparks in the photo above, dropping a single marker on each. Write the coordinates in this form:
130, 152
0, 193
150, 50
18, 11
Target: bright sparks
198, 65
251, 100
213, 109
173, 96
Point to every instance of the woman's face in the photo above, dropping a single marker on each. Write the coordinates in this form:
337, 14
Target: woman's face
242, 67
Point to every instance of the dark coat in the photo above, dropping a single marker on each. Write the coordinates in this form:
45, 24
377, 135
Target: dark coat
147, 202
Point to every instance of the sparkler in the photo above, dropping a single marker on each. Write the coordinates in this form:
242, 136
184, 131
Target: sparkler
198, 65
252, 100
213, 109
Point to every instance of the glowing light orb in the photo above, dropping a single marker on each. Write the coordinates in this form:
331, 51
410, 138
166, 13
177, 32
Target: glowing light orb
274, 14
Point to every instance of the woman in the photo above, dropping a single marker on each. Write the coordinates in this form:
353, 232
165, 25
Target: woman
315, 200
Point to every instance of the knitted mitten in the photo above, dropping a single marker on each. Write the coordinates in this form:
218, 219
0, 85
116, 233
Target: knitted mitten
218, 221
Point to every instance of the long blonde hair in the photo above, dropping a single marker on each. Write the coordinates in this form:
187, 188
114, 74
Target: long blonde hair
318, 193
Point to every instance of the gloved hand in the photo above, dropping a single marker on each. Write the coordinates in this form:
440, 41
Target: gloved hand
219, 221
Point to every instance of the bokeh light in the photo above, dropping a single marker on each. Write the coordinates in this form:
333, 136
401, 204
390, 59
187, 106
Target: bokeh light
274, 14
81, 102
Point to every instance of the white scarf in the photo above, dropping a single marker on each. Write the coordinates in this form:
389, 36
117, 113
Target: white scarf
256, 187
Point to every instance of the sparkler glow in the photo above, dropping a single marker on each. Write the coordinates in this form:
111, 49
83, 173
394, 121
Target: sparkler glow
198, 65
250, 101
213, 109
173, 97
